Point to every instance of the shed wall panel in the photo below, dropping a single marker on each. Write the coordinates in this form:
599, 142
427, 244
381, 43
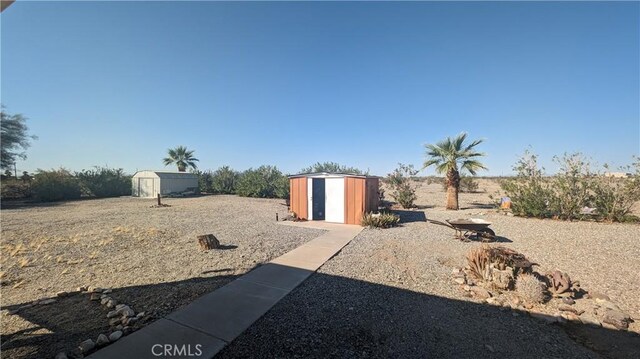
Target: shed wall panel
298, 196
354, 200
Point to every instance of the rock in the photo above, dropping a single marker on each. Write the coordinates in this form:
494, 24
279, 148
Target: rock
120, 306
115, 335
115, 321
46, 301
549, 319
570, 316
102, 340
607, 304
94, 296
82, 289
61, 355
493, 301
480, 292
26, 306
112, 314
62, 294
87, 346
105, 300
566, 308
94, 289
111, 303
596, 295
467, 288
140, 315
460, 280
564, 295
456, 270
502, 279
568, 301
131, 321
107, 291
127, 330
589, 319
616, 318
126, 312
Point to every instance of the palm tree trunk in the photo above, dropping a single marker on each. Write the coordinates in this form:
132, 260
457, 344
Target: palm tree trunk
453, 186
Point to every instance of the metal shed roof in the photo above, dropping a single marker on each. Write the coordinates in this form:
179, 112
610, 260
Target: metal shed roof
169, 174
330, 175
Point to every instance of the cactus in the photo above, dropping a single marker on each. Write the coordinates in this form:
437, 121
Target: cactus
530, 288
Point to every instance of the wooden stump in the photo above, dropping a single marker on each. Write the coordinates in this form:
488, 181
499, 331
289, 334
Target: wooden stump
208, 241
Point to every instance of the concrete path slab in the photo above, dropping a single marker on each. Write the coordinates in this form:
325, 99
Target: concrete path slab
217, 318
163, 338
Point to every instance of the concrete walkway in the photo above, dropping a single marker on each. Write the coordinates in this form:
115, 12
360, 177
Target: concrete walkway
202, 328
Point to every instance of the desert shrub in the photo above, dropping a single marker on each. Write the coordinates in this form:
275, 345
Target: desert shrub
104, 182
403, 190
571, 187
225, 180
13, 189
263, 182
613, 197
529, 191
380, 220
56, 185
331, 167
530, 288
205, 180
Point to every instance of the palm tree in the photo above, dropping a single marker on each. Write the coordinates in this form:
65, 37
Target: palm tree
181, 158
450, 156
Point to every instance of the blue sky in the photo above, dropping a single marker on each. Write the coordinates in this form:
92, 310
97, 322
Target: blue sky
287, 83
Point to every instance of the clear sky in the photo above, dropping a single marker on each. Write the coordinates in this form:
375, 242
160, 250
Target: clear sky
365, 84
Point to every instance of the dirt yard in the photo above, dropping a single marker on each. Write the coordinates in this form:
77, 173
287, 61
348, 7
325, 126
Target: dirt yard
149, 257
390, 293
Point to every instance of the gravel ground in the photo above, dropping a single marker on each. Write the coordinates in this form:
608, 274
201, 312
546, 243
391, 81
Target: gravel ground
389, 293
149, 256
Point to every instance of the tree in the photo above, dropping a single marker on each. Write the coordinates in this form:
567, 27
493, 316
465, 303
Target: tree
14, 138
331, 167
181, 157
449, 157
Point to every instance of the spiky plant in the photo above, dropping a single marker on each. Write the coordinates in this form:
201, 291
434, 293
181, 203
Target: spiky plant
181, 157
479, 261
450, 156
530, 289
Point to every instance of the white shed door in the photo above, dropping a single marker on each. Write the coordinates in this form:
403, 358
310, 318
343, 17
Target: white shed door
334, 203
145, 187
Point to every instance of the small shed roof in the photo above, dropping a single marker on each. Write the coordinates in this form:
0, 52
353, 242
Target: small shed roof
330, 175
170, 174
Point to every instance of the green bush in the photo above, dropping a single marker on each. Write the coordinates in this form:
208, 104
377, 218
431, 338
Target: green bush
380, 220
104, 182
14, 189
205, 181
403, 190
263, 182
331, 167
568, 193
224, 180
56, 185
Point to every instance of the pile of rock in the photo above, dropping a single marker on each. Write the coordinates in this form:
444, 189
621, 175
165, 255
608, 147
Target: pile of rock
122, 321
553, 297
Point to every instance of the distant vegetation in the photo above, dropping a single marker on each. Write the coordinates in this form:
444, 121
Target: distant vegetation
14, 138
576, 192
331, 167
450, 156
263, 182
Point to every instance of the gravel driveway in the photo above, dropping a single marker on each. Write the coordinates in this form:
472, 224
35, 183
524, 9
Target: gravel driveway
149, 256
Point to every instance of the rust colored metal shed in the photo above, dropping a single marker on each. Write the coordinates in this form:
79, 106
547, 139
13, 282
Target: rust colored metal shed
333, 197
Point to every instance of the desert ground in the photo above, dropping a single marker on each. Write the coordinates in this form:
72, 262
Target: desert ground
389, 293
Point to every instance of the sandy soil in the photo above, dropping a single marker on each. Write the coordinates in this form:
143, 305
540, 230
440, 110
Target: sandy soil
148, 256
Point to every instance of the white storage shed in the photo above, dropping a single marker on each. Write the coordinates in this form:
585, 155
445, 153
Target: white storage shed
150, 183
